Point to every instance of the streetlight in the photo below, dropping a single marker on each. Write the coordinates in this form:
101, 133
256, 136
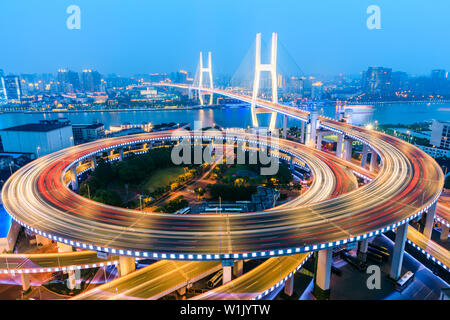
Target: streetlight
37, 151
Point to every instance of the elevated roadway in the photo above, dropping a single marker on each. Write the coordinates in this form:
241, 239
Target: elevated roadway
408, 183
163, 277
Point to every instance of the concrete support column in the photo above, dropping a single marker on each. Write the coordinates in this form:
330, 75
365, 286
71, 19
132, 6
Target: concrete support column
227, 267
319, 140
373, 161
182, 291
289, 286
323, 274
238, 268
302, 132
363, 246
73, 280
94, 162
444, 233
126, 265
284, 126
312, 128
399, 248
429, 222
74, 178
291, 163
348, 149
365, 152
339, 145
121, 154
25, 278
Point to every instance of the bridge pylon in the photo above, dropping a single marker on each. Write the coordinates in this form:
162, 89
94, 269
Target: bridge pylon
203, 70
270, 67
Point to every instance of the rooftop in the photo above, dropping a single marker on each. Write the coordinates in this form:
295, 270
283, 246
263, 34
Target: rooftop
88, 126
42, 126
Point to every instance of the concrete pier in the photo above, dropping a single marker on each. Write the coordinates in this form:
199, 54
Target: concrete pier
429, 222
399, 249
284, 126
25, 279
365, 152
238, 268
323, 274
289, 286
227, 267
126, 265
373, 161
444, 233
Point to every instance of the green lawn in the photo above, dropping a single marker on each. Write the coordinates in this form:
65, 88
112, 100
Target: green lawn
161, 178
254, 177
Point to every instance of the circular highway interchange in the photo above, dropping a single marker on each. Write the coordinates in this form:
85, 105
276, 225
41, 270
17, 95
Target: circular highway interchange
408, 182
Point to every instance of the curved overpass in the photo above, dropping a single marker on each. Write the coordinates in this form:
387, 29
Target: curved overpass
164, 277
408, 182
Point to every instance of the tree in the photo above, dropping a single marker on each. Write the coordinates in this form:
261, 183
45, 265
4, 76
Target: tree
200, 192
297, 186
110, 197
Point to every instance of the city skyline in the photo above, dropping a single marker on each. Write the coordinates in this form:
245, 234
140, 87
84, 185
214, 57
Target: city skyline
336, 37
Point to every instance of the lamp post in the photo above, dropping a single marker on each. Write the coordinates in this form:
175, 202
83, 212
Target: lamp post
37, 151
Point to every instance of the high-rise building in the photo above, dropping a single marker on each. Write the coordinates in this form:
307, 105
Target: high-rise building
439, 82
307, 86
63, 82
74, 79
88, 132
440, 134
399, 81
12, 89
87, 80
377, 80
317, 90
438, 74
91, 80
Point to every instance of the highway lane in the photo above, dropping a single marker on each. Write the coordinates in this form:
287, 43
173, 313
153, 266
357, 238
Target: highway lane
50, 262
152, 282
408, 181
258, 280
429, 246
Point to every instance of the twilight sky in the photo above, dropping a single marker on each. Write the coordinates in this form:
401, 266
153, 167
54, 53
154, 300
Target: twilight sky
145, 36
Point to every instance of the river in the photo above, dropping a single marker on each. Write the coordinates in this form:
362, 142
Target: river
238, 116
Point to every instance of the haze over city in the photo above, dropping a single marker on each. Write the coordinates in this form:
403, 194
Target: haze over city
324, 37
